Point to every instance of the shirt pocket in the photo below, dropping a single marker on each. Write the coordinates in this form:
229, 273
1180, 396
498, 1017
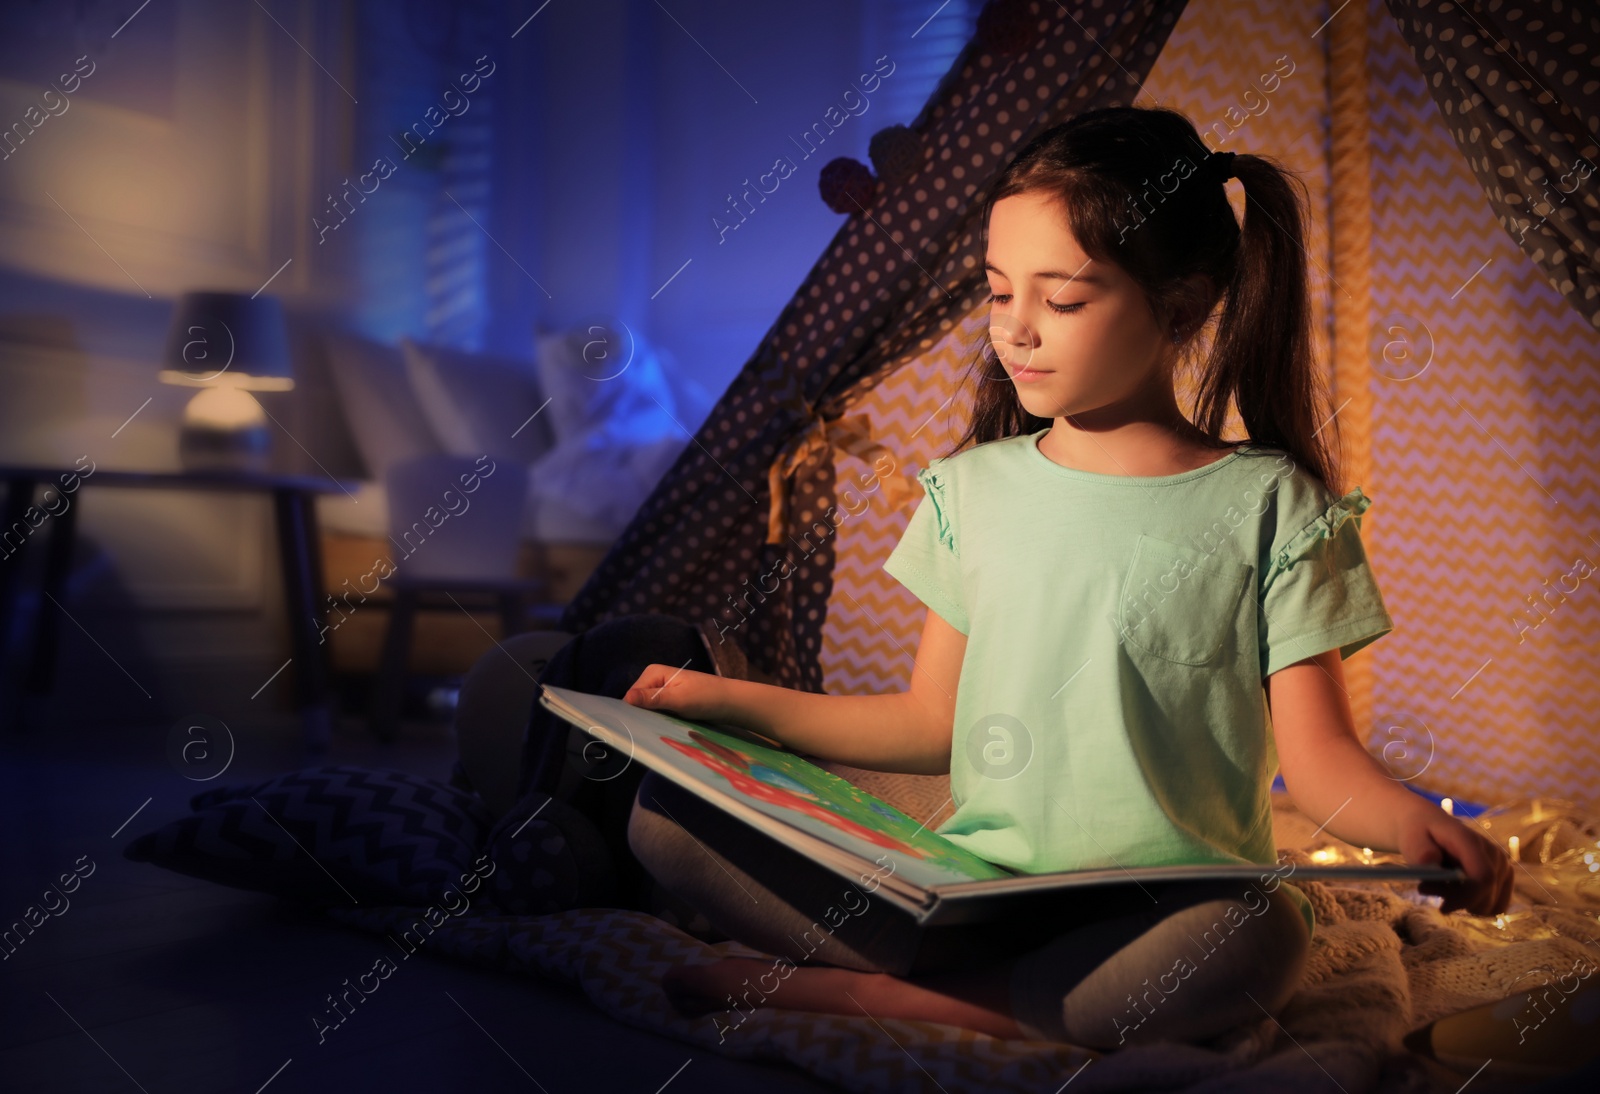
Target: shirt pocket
1180, 604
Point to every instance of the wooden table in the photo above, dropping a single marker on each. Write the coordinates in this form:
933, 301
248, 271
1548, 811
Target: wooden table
293, 498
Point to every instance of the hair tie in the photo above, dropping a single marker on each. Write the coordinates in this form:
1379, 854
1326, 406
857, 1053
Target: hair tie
1223, 164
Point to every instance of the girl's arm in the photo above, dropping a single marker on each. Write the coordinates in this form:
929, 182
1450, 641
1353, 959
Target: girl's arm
1334, 781
907, 731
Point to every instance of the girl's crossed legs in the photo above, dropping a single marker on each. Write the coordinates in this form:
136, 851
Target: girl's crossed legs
1154, 962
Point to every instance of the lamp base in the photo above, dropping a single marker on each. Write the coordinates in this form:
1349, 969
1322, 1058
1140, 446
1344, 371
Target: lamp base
207, 449
224, 429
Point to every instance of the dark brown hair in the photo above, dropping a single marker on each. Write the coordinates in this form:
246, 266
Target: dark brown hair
1110, 169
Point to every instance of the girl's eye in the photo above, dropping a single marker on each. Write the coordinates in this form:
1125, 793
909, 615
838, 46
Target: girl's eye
1059, 309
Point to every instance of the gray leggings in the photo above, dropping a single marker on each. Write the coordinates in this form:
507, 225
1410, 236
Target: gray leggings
1142, 964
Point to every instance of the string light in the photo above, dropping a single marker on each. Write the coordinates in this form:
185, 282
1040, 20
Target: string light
1563, 851
1561, 865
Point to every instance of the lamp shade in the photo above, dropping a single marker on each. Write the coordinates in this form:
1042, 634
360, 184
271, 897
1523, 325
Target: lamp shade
228, 338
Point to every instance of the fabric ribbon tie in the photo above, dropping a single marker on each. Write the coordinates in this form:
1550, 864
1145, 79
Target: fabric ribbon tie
1324, 527
850, 436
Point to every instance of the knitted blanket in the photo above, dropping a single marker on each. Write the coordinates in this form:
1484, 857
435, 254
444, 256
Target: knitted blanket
1380, 966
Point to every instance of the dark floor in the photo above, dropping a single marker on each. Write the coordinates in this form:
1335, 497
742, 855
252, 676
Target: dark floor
158, 982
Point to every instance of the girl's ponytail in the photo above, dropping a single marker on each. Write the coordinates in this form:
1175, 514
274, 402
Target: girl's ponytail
1261, 356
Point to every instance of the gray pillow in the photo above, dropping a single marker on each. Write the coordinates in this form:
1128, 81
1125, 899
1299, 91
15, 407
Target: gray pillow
378, 401
478, 404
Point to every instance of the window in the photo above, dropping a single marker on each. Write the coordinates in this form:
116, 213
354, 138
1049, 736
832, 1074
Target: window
922, 38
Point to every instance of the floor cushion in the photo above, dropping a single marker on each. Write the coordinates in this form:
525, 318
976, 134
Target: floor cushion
335, 835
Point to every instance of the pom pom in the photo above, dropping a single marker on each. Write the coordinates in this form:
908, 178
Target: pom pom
847, 185
896, 152
1005, 27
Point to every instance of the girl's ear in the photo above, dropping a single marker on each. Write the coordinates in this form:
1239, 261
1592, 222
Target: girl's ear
1194, 303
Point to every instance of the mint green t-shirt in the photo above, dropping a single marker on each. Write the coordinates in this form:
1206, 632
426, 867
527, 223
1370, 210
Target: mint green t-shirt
1111, 709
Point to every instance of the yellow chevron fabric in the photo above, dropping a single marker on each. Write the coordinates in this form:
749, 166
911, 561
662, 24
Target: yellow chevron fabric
1483, 467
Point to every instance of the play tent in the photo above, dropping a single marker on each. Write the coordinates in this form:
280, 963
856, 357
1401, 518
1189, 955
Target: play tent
1462, 355
1448, 151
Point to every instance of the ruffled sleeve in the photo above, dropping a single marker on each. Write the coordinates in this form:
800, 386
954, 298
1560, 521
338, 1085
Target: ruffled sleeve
927, 560
1318, 591
937, 492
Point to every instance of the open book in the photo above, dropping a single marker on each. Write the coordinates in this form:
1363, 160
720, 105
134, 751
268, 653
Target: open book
865, 841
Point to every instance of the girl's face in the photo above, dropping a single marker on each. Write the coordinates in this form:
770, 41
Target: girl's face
1074, 334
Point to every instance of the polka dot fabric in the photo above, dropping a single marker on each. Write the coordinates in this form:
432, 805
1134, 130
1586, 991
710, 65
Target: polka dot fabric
1519, 88
896, 279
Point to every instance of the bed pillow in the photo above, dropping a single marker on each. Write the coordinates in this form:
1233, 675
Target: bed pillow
478, 404
383, 411
590, 381
327, 836
602, 379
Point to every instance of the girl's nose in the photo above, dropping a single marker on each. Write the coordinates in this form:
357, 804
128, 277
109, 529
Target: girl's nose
1012, 337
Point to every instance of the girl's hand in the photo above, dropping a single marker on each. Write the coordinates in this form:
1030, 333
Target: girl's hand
1431, 837
698, 696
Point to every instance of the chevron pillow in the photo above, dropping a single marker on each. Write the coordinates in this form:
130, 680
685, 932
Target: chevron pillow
328, 835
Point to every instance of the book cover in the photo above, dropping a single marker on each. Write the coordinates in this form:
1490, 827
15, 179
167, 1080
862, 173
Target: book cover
780, 785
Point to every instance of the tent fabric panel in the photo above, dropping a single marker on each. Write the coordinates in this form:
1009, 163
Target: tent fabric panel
1484, 450
1519, 91
896, 278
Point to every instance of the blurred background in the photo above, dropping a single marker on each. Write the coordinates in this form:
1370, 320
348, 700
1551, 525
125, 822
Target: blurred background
460, 209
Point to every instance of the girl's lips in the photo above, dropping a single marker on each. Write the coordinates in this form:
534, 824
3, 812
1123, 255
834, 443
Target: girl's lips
1024, 375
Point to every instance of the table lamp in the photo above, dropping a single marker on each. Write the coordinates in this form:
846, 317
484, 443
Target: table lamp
228, 345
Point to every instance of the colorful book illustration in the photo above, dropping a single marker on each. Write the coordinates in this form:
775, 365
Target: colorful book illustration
861, 838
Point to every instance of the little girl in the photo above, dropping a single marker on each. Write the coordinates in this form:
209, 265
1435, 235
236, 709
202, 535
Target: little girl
1131, 625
